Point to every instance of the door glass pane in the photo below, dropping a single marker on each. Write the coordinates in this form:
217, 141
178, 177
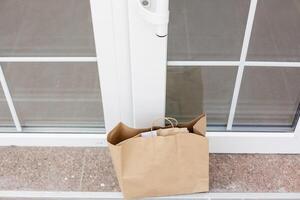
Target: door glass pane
276, 31
5, 116
192, 90
268, 97
56, 94
206, 29
46, 28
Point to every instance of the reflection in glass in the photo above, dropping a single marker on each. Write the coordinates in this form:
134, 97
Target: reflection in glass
56, 94
268, 97
206, 29
275, 35
192, 90
46, 28
5, 116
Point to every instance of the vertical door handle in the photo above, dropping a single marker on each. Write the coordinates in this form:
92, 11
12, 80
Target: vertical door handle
159, 17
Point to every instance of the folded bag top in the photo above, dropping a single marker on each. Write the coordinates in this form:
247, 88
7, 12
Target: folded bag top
122, 132
160, 165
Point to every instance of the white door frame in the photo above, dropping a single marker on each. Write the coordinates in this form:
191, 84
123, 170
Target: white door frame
132, 67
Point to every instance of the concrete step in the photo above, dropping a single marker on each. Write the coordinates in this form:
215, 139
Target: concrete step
91, 170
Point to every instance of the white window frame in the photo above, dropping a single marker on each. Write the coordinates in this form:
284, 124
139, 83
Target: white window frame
132, 67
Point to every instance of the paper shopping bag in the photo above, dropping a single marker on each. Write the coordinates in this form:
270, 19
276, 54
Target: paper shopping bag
160, 165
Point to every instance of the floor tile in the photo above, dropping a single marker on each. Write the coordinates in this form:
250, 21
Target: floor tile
24, 168
98, 173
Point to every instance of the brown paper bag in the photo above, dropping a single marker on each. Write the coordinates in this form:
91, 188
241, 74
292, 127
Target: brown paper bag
160, 165
171, 131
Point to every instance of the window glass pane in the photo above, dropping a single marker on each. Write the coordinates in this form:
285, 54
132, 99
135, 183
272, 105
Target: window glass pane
5, 116
56, 94
268, 97
46, 28
192, 90
206, 29
276, 31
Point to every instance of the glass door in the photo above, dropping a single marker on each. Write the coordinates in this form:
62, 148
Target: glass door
77, 66
236, 60
50, 68
244, 81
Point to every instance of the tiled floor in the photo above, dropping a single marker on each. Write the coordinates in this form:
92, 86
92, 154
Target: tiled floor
90, 169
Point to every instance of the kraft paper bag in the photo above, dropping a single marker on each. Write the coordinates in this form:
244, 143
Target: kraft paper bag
171, 131
160, 165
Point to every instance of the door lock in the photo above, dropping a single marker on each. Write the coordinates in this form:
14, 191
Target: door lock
156, 13
146, 3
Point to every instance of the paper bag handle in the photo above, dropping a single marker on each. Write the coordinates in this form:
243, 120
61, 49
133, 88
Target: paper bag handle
169, 119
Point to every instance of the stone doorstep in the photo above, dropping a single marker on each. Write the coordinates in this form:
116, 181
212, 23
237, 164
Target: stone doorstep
91, 170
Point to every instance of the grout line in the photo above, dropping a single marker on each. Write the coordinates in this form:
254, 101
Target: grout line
49, 152
82, 169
